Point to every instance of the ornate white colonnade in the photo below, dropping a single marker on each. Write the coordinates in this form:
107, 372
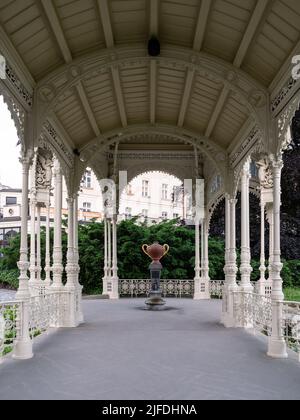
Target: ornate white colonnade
68, 295
272, 286
249, 105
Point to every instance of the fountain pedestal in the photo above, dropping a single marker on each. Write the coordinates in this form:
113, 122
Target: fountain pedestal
155, 252
155, 299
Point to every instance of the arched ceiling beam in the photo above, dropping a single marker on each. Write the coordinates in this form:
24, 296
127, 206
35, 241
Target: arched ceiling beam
285, 70
214, 152
201, 24
239, 58
119, 94
217, 111
154, 7
240, 135
8, 50
153, 82
109, 40
255, 20
250, 93
186, 96
153, 30
57, 29
54, 121
106, 22
88, 109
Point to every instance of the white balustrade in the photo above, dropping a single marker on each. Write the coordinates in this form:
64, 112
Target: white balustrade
9, 321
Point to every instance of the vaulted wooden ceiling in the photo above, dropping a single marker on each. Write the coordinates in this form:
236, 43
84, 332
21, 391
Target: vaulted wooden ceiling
255, 36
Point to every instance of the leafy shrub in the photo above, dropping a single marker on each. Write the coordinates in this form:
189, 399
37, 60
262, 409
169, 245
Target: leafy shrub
9, 278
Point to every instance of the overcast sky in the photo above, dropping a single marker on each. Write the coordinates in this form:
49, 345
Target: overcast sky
10, 168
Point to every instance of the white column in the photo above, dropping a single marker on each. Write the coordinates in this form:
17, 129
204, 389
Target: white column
70, 252
202, 246
23, 343
271, 237
115, 279
228, 318
71, 320
105, 268
80, 317
245, 268
205, 262
277, 345
57, 267
205, 267
47, 253
262, 268
76, 249
109, 273
227, 229
197, 279
32, 268
38, 245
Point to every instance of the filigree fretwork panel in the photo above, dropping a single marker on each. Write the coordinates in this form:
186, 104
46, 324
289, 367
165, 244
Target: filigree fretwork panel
291, 325
9, 323
170, 288
252, 309
46, 310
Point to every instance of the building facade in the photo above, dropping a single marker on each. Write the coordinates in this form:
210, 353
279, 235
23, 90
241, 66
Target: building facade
152, 197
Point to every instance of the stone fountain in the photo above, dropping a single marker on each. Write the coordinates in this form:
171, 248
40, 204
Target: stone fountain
155, 252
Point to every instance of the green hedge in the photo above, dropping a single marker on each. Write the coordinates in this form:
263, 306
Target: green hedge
132, 262
9, 278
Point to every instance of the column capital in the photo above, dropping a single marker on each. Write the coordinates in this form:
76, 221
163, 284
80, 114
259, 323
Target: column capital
26, 159
276, 162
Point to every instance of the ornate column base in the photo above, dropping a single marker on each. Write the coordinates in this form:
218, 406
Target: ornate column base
78, 302
228, 318
57, 270
23, 343
201, 287
277, 348
113, 288
245, 285
105, 280
264, 287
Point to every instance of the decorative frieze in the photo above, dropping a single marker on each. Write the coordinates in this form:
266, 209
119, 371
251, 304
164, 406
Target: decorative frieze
283, 94
252, 137
59, 143
18, 85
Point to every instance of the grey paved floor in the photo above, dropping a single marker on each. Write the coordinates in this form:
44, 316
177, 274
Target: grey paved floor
124, 352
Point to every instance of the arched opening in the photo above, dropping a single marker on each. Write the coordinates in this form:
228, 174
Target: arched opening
154, 197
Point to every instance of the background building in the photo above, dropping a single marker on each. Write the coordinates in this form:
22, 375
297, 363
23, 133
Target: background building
153, 197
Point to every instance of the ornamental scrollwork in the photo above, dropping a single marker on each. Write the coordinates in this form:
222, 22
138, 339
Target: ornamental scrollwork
265, 173
43, 171
283, 94
17, 114
252, 137
17, 84
59, 143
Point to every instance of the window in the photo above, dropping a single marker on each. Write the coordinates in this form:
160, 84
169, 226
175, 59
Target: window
87, 179
164, 215
145, 213
128, 212
129, 189
145, 188
87, 207
11, 201
164, 192
175, 215
253, 170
